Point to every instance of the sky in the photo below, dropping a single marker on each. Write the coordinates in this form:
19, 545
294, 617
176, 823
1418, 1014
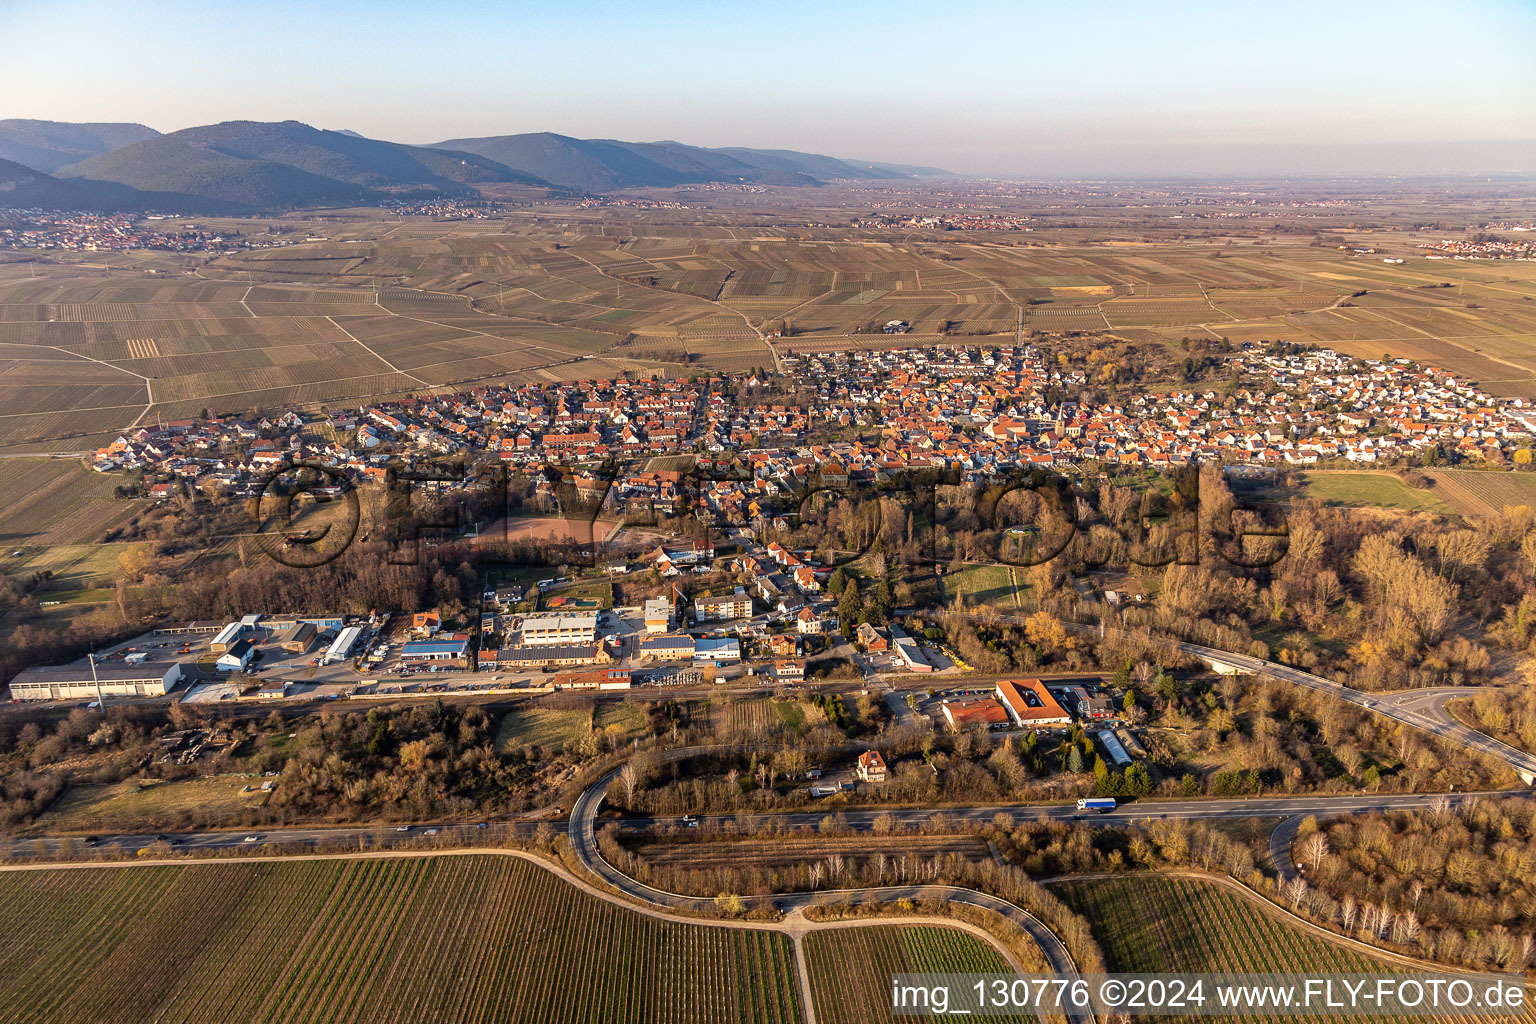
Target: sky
1022, 89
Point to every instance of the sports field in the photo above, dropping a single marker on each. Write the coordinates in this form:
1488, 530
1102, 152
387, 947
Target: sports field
446, 938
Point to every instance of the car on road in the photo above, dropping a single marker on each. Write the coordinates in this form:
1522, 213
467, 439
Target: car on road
252, 838
430, 832
403, 828
482, 824
92, 840
690, 821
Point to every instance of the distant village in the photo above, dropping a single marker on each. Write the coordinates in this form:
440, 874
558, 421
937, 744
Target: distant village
74, 231
976, 410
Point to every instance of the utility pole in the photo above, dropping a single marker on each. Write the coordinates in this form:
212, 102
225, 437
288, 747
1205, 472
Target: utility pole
101, 701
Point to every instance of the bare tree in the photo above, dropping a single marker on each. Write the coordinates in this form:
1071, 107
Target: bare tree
630, 776
1314, 848
1296, 891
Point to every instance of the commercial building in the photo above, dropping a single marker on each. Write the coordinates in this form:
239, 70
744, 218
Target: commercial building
970, 714
71, 682
598, 679
909, 651
227, 637
297, 637
667, 646
341, 648
1030, 704
543, 656
238, 657
450, 649
658, 615
717, 652
559, 629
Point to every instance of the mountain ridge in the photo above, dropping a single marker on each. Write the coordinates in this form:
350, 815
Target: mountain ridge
598, 164
48, 145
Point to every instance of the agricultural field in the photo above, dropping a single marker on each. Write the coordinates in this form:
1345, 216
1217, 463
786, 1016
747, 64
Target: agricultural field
57, 501
1481, 493
1341, 487
384, 306
1153, 924
445, 938
851, 968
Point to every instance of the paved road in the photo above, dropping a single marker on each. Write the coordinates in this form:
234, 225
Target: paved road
362, 837
1133, 813
1398, 706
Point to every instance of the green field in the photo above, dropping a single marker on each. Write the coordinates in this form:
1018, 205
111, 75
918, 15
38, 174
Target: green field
1150, 924
530, 725
447, 938
983, 584
138, 806
593, 593
1379, 489
851, 968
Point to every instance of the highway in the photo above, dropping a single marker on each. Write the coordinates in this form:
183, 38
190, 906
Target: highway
1132, 813
1400, 706
360, 837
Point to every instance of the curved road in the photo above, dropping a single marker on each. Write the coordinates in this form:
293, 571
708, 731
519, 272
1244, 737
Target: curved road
583, 836
1400, 706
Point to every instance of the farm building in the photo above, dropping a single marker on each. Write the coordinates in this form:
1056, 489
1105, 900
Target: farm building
1112, 746
148, 679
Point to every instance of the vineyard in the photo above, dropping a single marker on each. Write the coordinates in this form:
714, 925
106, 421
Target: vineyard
1156, 925
1477, 493
851, 968
448, 938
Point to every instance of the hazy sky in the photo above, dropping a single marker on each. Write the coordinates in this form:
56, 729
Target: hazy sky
1025, 89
